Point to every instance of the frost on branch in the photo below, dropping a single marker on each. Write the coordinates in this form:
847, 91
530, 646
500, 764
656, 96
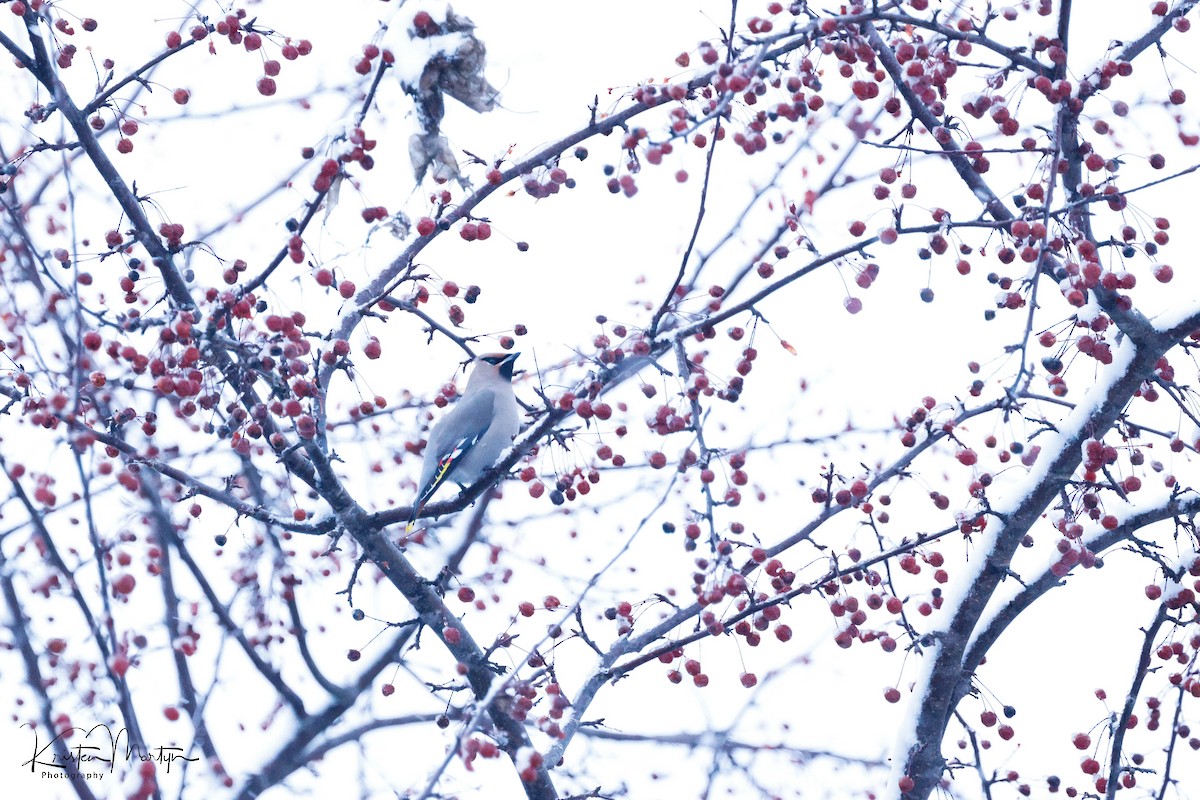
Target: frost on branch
442, 57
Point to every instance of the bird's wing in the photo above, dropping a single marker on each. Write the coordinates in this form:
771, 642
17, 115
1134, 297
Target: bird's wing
449, 443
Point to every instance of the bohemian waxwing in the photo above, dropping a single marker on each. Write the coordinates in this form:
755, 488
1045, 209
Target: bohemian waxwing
471, 437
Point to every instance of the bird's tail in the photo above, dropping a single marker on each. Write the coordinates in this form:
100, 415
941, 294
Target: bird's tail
445, 466
422, 498
418, 507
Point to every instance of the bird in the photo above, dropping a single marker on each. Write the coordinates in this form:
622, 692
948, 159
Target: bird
471, 437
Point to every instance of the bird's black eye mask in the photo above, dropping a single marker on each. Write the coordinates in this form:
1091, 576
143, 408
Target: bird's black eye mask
505, 361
